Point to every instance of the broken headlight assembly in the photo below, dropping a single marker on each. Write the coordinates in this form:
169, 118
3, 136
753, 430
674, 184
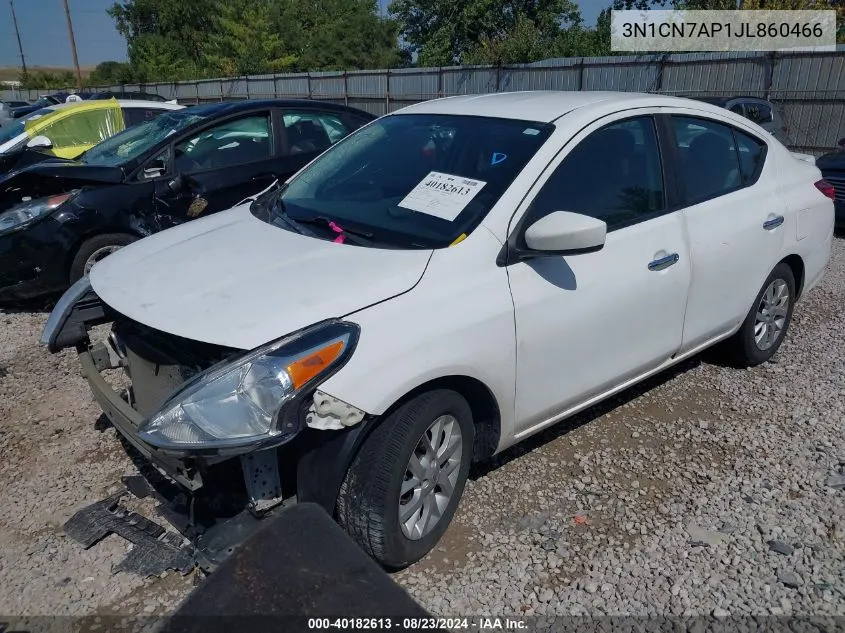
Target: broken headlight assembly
28, 211
239, 402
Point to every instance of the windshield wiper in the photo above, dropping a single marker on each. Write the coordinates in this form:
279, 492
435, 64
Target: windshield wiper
361, 238
279, 213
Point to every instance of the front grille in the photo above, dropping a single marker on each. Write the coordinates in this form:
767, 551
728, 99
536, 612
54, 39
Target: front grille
838, 181
158, 363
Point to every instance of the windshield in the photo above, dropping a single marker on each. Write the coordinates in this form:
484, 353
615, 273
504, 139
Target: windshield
412, 180
15, 128
134, 141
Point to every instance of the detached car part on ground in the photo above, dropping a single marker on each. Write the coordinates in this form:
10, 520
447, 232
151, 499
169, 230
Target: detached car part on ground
438, 286
58, 218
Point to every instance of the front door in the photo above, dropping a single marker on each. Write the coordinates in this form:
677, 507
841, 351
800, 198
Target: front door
589, 322
214, 169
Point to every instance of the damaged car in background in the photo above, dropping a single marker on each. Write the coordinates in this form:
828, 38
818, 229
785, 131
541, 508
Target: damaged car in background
59, 217
441, 284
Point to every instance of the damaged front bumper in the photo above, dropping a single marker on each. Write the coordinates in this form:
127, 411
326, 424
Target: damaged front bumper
214, 498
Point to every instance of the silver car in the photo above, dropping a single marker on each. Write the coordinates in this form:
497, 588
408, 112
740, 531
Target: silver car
760, 111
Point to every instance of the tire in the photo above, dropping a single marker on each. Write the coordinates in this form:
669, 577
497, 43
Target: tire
744, 346
96, 247
370, 500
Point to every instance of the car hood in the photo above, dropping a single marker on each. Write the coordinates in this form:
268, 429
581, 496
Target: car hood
833, 160
233, 280
49, 177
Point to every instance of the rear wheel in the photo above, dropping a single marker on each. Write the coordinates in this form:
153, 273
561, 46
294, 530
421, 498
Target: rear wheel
94, 250
403, 487
766, 323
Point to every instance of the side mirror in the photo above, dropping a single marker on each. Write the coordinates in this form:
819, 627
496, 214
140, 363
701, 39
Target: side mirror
177, 184
155, 169
841, 142
565, 233
40, 142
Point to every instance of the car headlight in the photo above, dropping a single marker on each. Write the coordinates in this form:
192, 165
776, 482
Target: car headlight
27, 212
242, 402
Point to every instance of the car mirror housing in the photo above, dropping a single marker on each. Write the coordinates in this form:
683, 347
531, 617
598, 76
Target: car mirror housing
39, 142
154, 169
177, 184
841, 142
565, 233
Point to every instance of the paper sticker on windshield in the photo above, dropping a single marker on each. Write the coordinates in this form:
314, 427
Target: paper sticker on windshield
442, 195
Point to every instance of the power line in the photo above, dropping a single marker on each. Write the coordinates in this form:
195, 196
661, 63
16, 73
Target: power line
18, 34
73, 46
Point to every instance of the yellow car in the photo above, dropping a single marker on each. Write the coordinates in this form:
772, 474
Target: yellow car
69, 129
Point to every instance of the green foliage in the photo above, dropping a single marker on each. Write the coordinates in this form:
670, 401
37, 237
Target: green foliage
445, 32
169, 40
111, 73
43, 80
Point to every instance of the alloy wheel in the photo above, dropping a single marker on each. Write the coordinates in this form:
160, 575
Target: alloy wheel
771, 314
430, 477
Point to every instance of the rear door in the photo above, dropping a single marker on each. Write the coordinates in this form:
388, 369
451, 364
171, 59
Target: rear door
733, 217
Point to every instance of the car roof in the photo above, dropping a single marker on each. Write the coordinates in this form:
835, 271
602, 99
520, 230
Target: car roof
123, 103
233, 107
537, 105
724, 100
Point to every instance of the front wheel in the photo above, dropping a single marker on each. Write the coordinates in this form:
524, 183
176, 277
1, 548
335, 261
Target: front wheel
95, 249
766, 323
404, 485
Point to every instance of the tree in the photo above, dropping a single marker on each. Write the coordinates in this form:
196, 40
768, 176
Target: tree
111, 73
166, 40
338, 34
244, 41
444, 32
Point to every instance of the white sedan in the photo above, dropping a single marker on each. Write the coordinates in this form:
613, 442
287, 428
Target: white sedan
443, 283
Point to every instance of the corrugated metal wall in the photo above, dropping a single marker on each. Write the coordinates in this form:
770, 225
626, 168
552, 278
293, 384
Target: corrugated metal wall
809, 88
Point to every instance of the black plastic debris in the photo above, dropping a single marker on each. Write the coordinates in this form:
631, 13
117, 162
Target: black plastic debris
155, 550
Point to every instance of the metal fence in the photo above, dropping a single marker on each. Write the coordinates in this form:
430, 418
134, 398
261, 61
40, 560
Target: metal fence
807, 87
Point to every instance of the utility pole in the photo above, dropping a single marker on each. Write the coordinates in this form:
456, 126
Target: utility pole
18, 34
73, 46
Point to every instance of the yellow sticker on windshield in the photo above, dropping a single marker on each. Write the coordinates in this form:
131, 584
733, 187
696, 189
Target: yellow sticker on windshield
459, 239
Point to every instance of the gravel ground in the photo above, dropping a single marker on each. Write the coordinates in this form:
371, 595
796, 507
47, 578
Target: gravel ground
708, 490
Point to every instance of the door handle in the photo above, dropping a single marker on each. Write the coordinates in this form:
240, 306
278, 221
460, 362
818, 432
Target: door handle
664, 262
773, 223
265, 176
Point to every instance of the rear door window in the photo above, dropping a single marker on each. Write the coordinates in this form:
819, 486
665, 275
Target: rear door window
709, 165
313, 131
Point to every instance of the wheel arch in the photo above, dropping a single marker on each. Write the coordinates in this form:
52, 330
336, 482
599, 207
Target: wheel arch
324, 457
796, 264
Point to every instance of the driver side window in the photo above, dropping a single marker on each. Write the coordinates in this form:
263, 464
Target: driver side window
231, 143
614, 175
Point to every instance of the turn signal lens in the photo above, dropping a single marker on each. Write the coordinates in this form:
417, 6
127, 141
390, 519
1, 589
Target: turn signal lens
304, 369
